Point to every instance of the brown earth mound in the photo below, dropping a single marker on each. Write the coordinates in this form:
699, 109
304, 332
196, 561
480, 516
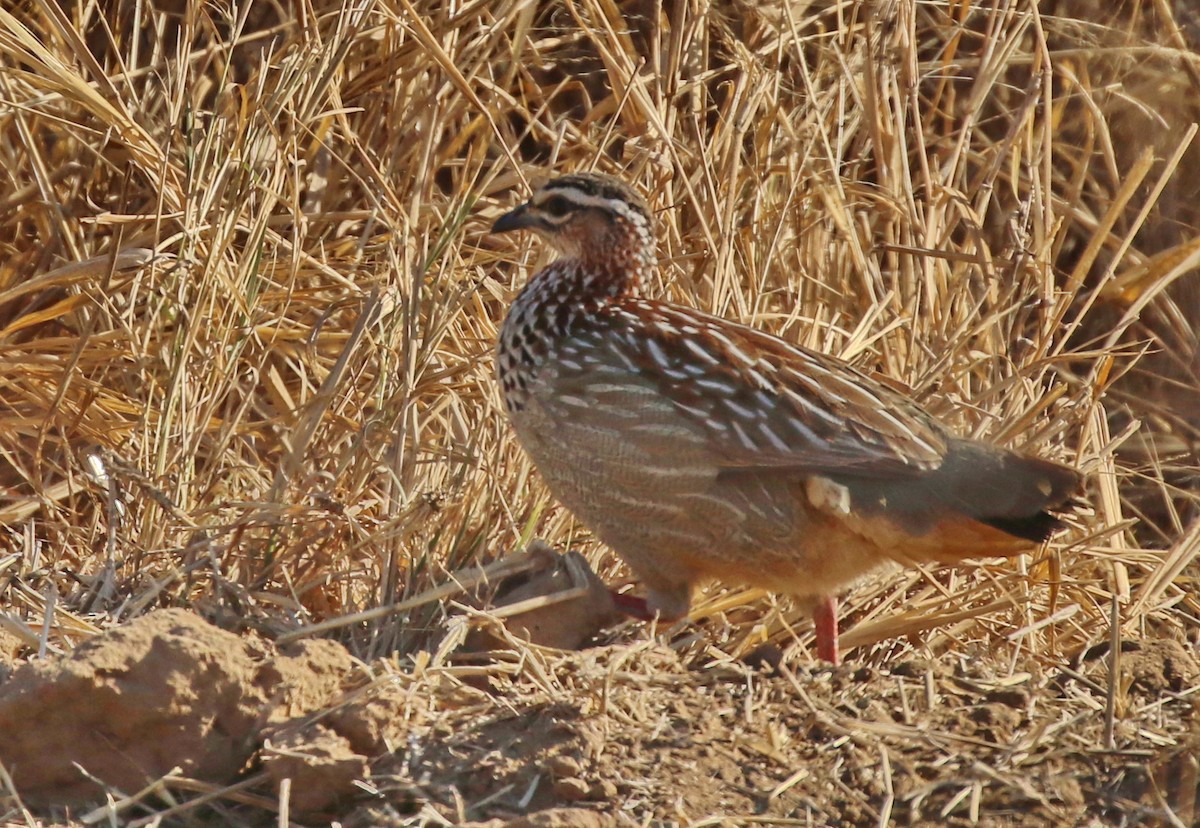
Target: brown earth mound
165, 691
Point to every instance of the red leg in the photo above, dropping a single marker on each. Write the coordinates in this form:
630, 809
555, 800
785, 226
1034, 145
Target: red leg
825, 620
632, 605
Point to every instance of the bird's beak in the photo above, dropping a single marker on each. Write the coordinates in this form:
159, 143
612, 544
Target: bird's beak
517, 219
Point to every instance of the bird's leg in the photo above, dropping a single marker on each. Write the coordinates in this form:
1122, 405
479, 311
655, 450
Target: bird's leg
826, 622
667, 605
632, 605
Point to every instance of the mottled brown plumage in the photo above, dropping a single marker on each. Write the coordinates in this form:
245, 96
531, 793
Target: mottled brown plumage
699, 448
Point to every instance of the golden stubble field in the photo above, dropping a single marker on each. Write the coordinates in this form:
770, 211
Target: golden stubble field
259, 493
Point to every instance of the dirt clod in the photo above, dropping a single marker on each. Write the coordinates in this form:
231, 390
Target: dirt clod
321, 764
563, 766
1161, 665
165, 691
571, 789
559, 602
562, 818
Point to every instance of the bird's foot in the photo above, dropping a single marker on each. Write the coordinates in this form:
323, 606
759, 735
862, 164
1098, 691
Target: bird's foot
826, 622
640, 608
632, 605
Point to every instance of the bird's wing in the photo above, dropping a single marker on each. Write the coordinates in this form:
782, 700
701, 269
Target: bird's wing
764, 403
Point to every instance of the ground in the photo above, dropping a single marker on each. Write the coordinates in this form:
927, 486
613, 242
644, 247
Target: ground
618, 733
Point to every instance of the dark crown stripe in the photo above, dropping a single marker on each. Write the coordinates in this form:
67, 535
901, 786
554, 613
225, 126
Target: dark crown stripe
593, 185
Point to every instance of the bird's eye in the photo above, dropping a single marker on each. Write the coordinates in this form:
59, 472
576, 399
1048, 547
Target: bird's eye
556, 206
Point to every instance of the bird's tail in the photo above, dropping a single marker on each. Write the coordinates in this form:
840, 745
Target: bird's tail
982, 500
1020, 495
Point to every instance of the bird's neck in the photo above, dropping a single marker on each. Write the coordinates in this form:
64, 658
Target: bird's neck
613, 264
585, 281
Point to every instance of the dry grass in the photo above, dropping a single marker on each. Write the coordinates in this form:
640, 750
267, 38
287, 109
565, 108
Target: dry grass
247, 301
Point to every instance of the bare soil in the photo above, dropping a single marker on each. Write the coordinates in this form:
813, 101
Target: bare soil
618, 733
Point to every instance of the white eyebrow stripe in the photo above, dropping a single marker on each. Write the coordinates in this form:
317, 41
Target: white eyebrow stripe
582, 199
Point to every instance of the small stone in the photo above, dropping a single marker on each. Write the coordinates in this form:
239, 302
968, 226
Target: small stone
563, 766
864, 674
1014, 697
765, 658
570, 789
562, 818
604, 790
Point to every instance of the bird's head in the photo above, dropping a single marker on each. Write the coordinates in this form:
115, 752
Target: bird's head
588, 216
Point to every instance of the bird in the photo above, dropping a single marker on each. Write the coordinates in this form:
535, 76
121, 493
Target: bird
698, 448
